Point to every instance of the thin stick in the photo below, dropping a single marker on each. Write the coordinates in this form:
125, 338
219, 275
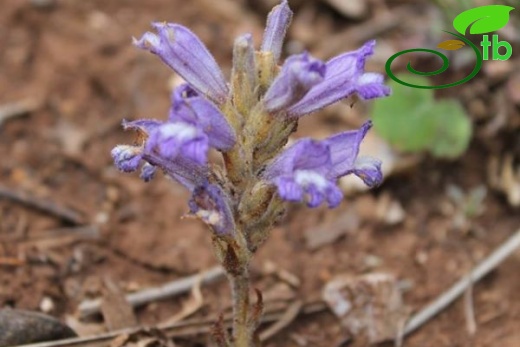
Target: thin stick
287, 318
180, 329
17, 108
482, 269
43, 205
184, 285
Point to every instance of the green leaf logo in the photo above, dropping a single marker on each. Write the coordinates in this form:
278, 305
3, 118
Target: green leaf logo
483, 19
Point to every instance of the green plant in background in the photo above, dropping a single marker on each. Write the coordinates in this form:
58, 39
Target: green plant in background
413, 121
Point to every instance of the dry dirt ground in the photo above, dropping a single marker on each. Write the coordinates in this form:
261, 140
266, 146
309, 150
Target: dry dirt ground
77, 61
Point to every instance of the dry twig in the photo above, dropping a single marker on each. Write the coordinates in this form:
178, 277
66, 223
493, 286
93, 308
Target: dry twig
43, 205
168, 290
287, 318
17, 108
482, 269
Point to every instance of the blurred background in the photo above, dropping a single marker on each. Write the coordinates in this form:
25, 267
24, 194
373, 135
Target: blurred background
72, 226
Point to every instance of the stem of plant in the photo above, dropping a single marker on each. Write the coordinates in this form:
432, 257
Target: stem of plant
240, 287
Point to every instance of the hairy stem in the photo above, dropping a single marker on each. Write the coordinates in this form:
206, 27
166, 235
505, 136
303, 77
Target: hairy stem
240, 287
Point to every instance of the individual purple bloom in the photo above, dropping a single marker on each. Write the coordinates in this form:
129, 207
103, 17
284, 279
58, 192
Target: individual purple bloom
127, 158
183, 51
211, 204
173, 139
298, 75
309, 169
178, 156
191, 108
344, 76
277, 22
303, 171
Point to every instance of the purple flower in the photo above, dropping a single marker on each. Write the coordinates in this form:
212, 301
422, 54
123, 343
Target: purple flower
309, 169
189, 107
344, 76
211, 204
178, 155
277, 22
182, 50
298, 75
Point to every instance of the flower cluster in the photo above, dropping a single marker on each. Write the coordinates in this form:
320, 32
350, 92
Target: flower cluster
249, 120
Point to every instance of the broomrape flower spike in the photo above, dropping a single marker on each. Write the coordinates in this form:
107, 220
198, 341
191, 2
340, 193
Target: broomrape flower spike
248, 120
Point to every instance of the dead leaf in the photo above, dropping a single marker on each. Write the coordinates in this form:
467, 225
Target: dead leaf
356, 9
369, 306
117, 312
389, 210
451, 45
71, 138
504, 176
332, 230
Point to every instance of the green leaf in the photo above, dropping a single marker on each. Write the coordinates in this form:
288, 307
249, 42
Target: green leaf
483, 19
413, 121
452, 131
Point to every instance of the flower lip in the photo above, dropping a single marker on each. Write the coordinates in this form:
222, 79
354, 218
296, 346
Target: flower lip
127, 158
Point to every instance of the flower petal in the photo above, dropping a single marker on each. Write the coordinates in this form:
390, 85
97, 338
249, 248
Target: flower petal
299, 74
308, 185
277, 22
288, 189
371, 85
185, 171
145, 125
190, 107
344, 149
179, 139
183, 51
